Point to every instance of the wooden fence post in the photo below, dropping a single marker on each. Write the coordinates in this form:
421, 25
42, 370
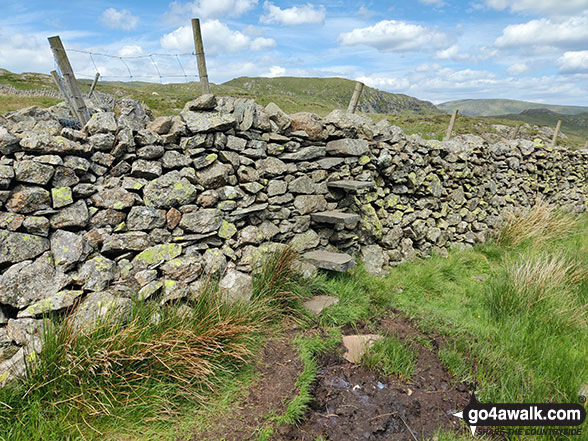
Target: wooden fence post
355, 97
516, 132
557, 127
93, 86
63, 90
69, 78
451, 124
200, 56
586, 145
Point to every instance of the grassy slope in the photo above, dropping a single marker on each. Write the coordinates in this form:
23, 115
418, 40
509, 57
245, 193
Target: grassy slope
570, 124
494, 107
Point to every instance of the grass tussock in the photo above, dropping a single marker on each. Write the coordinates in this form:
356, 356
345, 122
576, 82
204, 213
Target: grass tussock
392, 356
543, 285
540, 223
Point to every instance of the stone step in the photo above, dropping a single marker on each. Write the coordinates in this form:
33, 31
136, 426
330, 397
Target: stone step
340, 262
349, 185
335, 217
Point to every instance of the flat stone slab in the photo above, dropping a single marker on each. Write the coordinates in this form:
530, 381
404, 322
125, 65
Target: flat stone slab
335, 217
316, 304
350, 185
356, 345
330, 261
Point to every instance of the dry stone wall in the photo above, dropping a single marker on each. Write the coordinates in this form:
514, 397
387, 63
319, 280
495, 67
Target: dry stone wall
131, 208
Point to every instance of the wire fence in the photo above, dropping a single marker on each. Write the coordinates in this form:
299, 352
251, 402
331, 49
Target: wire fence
160, 67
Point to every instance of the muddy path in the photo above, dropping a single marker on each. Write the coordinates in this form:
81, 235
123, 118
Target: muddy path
354, 403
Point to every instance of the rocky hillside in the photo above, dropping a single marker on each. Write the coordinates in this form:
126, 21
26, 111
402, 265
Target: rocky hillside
333, 93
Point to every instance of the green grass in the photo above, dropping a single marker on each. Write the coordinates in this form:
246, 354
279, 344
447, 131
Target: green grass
9, 103
493, 107
120, 376
392, 356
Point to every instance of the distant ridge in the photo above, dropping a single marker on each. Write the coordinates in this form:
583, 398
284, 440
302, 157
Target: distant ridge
496, 107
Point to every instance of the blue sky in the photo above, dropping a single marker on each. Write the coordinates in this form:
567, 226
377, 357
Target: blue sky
438, 50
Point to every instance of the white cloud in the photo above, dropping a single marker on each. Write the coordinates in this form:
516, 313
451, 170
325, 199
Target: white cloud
25, 52
275, 71
365, 12
119, 19
206, 9
556, 7
218, 39
390, 83
296, 15
392, 35
517, 69
569, 33
574, 62
451, 53
131, 50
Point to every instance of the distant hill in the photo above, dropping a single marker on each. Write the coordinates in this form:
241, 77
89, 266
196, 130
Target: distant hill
570, 124
330, 93
496, 107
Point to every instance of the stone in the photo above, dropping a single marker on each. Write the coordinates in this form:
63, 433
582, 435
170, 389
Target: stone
17, 247
330, 261
173, 290
272, 167
303, 185
169, 190
250, 235
214, 176
350, 185
11, 221
347, 147
275, 114
64, 177
131, 241
374, 259
101, 122
356, 345
8, 142
28, 282
132, 115
98, 307
336, 217
28, 199
316, 304
235, 286
160, 125
145, 276
276, 188
199, 122
44, 143
146, 169
56, 302
310, 203
183, 268
61, 197
173, 218
33, 172
116, 198
306, 241
310, 123
227, 230
145, 218
305, 154
235, 143
102, 142
202, 221
147, 137
158, 253
173, 159
97, 273
214, 262
242, 212
149, 290
151, 152
204, 102
75, 215
108, 217
68, 249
